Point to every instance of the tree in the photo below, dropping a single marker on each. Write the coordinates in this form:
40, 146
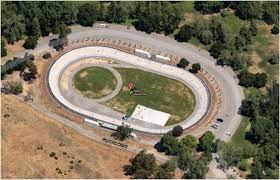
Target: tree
102, 11
12, 27
248, 107
273, 59
209, 7
185, 159
275, 29
248, 10
87, 14
253, 28
13, 87
30, 42
143, 165
217, 30
161, 173
188, 141
206, 37
197, 170
246, 34
246, 78
34, 28
158, 17
232, 154
185, 33
243, 165
260, 80
116, 12
216, 49
177, 131
183, 63
195, 68
169, 143
122, 132
270, 12
3, 47
62, 30
240, 42
206, 141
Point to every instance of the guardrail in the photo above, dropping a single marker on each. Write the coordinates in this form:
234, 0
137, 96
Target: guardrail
116, 143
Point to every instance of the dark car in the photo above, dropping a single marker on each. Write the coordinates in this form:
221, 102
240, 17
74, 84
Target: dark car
220, 120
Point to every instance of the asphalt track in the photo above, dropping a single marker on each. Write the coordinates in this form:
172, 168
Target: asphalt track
80, 54
232, 93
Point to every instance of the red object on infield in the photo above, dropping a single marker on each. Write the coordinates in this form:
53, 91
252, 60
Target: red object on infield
130, 85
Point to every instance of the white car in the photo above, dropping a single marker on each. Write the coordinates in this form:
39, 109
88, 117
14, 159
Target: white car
228, 133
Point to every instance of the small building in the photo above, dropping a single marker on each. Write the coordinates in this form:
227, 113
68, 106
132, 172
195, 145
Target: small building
162, 58
142, 53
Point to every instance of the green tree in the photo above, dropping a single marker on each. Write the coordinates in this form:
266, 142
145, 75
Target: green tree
169, 143
122, 132
34, 28
3, 47
271, 12
209, 7
30, 42
206, 141
243, 165
232, 154
183, 63
197, 170
260, 80
63, 30
161, 173
189, 141
116, 12
248, 10
87, 14
206, 37
216, 49
195, 68
177, 131
143, 165
246, 78
275, 29
12, 27
273, 59
253, 28
185, 159
185, 33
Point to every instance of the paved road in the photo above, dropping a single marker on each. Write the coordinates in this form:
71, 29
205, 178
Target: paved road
87, 133
231, 92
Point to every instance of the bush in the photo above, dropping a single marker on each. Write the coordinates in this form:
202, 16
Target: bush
47, 55
177, 131
183, 63
30, 42
52, 154
3, 48
13, 87
243, 165
225, 13
185, 33
274, 59
275, 29
195, 68
122, 132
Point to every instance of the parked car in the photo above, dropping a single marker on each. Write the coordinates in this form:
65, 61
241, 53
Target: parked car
228, 133
220, 120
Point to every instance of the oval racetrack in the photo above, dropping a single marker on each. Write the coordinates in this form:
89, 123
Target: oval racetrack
194, 83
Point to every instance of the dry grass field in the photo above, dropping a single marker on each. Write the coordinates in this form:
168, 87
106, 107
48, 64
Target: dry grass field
29, 137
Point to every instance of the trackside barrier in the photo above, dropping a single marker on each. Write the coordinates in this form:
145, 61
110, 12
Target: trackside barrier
116, 143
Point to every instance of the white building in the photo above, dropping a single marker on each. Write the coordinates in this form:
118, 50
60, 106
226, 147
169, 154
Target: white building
162, 58
142, 53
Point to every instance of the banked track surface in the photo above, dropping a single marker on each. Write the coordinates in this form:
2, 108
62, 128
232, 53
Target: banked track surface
194, 83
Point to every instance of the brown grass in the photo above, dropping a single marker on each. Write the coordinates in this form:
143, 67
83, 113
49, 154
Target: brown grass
24, 133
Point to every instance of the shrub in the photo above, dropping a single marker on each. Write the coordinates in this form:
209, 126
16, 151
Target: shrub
195, 68
30, 42
13, 87
274, 59
275, 29
183, 63
52, 154
177, 131
243, 165
47, 55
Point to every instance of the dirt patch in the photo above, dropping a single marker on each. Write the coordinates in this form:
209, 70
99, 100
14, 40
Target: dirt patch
28, 139
255, 60
83, 74
12, 50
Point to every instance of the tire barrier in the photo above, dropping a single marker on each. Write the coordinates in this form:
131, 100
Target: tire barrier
116, 143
